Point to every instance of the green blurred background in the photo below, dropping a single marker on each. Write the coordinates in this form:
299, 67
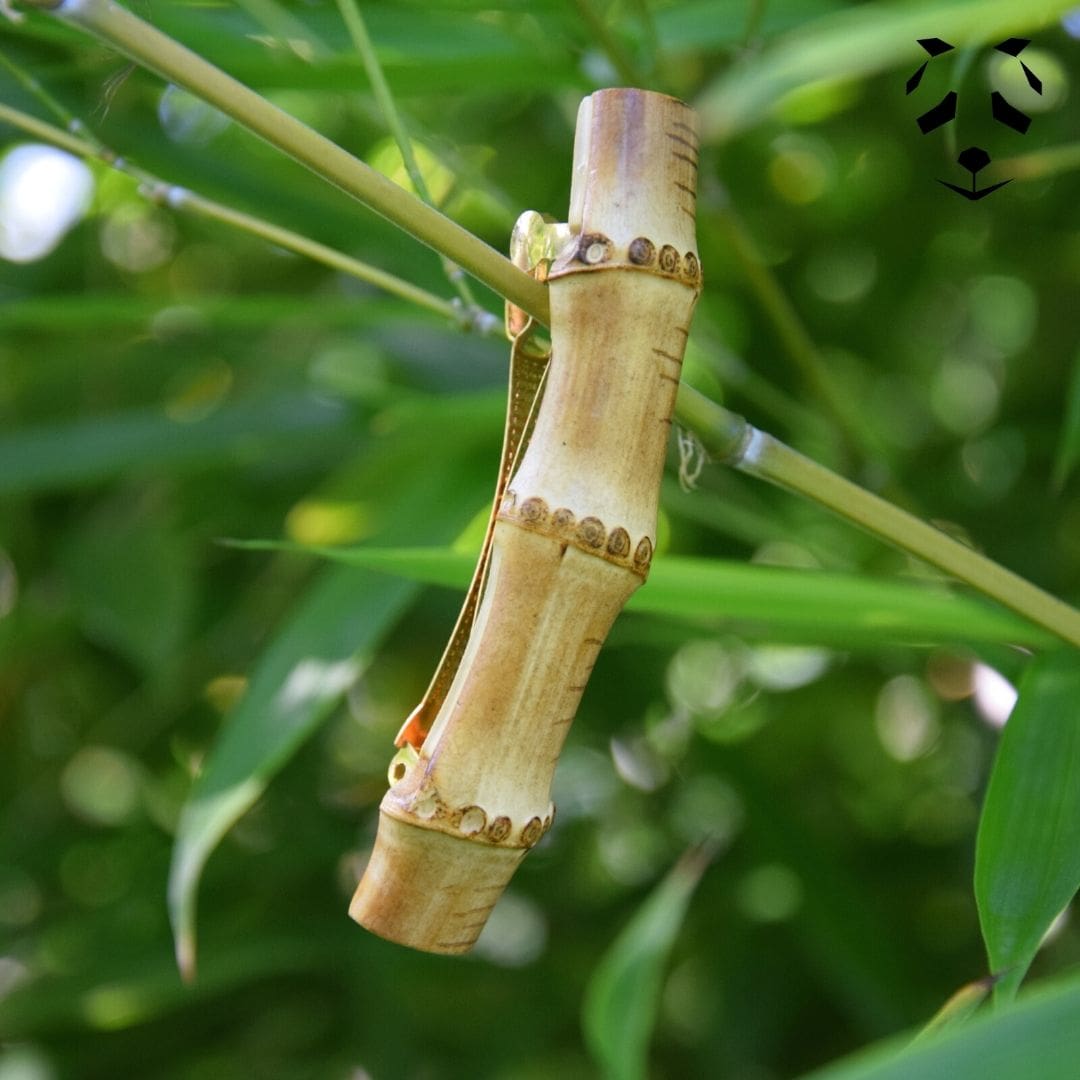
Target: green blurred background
166, 383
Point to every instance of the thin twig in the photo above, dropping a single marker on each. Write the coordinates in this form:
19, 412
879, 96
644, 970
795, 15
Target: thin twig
158, 52
793, 334
758, 454
354, 22
179, 198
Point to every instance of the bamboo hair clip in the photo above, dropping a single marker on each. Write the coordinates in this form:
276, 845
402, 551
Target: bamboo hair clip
572, 530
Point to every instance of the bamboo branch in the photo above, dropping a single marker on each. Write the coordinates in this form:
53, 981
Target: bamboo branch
181, 199
157, 51
733, 441
772, 460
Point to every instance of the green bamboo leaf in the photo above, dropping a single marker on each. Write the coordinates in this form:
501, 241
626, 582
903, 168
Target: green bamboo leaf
76, 312
328, 640
1038, 1038
324, 648
432, 566
857, 42
120, 994
60, 456
624, 992
721, 24
822, 606
1027, 855
770, 601
116, 545
422, 50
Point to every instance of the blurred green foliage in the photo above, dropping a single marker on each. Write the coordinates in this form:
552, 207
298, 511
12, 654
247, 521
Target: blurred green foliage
165, 383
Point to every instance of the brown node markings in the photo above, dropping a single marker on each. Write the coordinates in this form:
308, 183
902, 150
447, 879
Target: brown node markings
533, 830
589, 534
689, 143
482, 909
677, 360
456, 944
642, 251
499, 829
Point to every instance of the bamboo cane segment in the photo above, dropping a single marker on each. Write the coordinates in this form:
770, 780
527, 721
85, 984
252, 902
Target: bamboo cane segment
573, 538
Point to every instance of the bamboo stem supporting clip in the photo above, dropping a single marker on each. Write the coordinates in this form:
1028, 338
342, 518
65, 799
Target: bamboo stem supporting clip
572, 536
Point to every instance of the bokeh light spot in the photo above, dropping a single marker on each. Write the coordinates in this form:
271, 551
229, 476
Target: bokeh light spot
43, 193
325, 521
1004, 311
770, 893
785, 667
801, 170
703, 677
964, 395
706, 808
1004, 73
188, 119
905, 718
842, 274
994, 695
138, 238
515, 934
100, 785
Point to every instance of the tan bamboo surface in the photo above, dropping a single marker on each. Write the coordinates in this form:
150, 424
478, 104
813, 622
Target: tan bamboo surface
574, 534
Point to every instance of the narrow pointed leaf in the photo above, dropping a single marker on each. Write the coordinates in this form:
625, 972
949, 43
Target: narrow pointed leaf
1037, 1038
325, 647
857, 41
1027, 856
624, 992
772, 601
326, 643
55, 457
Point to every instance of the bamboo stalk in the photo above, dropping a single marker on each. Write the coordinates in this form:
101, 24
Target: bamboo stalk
573, 539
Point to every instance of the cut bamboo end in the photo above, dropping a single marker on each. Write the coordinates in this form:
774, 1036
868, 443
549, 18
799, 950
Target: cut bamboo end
429, 890
633, 200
